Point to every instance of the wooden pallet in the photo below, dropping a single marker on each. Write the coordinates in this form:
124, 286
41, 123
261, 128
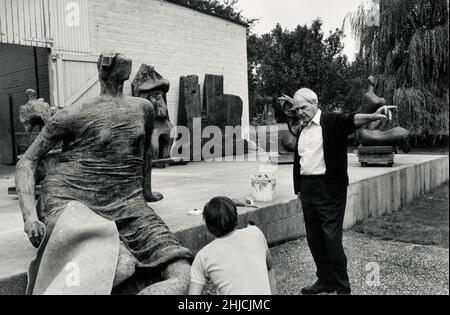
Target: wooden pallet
376, 156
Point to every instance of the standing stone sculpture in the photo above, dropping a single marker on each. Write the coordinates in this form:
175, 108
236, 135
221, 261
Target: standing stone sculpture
190, 104
233, 109
150, 85
213, 90
218, 110
105, 164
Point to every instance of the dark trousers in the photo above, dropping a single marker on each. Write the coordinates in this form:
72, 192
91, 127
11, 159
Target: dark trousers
324, 201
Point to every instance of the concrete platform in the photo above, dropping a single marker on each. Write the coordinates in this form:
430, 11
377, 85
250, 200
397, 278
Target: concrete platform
372, 192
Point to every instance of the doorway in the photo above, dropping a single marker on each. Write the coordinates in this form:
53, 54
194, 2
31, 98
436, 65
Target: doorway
21, 68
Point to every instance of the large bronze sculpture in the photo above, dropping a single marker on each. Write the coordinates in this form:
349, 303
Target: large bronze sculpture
150, 85
372, 135
105, 164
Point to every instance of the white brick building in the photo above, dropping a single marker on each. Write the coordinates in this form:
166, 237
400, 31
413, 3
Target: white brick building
176, 40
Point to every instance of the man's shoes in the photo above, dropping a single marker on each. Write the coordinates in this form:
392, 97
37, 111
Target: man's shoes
344, 292
317, 288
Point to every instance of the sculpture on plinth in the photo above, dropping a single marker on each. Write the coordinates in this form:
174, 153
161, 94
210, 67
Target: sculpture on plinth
105, 168
150, 85
379, 146
34, 115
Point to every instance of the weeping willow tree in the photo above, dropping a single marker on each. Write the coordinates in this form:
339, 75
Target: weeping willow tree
405, 44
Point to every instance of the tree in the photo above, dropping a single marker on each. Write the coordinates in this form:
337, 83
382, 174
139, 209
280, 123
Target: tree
224, 8
408, 51
283, 61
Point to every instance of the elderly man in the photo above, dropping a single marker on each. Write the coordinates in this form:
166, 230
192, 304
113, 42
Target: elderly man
321, 181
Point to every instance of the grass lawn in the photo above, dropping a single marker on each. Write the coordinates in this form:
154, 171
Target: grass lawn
424, 222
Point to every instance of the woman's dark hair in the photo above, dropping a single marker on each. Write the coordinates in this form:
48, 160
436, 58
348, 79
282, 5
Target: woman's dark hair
220, 215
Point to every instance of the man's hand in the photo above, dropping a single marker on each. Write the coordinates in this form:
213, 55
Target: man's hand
35, 230
381, 114
384, 112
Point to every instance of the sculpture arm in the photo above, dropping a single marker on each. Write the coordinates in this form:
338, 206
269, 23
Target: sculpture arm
25, 183
149, 195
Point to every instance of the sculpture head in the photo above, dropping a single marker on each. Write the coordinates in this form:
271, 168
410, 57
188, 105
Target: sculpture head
36, 113
371, 102
149, 84
114, 67
159, 104
31, 94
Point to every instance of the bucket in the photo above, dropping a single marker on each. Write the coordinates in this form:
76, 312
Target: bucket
263, 187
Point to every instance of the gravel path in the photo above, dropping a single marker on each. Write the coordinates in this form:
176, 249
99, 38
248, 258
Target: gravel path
404, 269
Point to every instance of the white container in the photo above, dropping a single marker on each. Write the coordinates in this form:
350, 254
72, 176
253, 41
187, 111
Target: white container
263, 187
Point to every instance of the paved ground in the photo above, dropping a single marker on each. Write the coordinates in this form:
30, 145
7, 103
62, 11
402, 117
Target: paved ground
405, 269
185, 188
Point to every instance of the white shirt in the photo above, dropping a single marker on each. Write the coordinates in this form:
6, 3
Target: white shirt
310, 148
236, 264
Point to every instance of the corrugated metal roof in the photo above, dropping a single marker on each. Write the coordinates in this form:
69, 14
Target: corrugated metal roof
58, 24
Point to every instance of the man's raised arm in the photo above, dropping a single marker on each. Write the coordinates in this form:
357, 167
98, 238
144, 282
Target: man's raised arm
381, 114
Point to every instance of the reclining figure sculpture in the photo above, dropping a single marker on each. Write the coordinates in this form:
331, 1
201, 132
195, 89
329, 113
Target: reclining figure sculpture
105, 165
371, 135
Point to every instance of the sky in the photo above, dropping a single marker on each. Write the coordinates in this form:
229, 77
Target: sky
290, 13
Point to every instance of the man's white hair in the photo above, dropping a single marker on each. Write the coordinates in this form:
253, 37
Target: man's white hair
308, 95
